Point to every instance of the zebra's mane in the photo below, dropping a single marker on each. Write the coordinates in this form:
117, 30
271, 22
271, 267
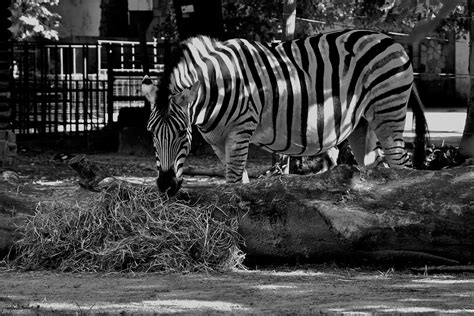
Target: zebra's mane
202, 44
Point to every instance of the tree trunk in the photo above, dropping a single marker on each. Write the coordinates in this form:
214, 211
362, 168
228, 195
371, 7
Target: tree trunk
467, 141
287, 163
289, 19
384, 215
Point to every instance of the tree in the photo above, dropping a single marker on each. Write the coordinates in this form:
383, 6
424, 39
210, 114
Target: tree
32, 19
392, 16
289, 19
467, 141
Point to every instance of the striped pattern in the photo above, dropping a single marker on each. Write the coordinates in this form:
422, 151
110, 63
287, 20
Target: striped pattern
299, 97
174, 143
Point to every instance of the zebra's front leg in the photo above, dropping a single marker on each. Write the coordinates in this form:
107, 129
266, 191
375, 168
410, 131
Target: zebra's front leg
220, 151
236, 152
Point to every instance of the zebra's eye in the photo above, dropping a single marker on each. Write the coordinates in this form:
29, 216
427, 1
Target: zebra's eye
182, 133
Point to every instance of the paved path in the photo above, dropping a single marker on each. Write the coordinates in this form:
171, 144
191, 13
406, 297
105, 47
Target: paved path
444, 125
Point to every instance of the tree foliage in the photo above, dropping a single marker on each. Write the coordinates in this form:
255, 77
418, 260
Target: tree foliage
256, 20
167, 28
389, 15
263, 19
32, 19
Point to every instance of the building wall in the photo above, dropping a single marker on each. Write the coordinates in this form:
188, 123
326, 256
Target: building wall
80, 18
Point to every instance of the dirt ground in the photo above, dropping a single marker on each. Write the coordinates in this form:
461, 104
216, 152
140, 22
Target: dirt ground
315, 290
322, 289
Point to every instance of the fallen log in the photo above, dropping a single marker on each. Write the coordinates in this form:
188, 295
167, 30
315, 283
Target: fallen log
13, 209
89, 173
380, 216
384, 215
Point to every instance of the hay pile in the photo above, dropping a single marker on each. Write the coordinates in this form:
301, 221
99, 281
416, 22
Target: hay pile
128, 229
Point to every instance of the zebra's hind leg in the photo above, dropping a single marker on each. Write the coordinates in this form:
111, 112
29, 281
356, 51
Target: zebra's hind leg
389, 131
363, 142
219, 150
357, 141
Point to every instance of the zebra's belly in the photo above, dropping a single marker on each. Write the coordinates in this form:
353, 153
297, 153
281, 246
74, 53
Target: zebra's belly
296, 149
298, 142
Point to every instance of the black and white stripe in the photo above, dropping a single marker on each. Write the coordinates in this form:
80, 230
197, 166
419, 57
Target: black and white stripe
299, 97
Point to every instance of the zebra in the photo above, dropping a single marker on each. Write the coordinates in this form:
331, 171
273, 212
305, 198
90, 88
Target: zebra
298, 98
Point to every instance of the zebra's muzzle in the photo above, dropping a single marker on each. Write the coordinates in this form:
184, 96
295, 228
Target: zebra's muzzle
168, 182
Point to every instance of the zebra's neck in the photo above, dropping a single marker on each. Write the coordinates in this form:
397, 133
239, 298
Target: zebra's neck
224, 90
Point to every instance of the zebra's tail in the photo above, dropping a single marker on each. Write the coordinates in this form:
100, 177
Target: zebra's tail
421, 130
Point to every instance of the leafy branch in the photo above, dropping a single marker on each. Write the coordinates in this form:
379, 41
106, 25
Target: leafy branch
32, 19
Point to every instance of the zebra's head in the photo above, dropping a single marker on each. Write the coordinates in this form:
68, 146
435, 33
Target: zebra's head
170, 126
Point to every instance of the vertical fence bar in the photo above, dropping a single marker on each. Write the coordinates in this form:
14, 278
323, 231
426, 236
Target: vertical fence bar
56, 88
61, 61
85, 90
26, 99
121, 56
96, 87
71, 109
76, 91
104, 87
133, 56
44, 90
38, 88
74, 70
110, 85
33, 94
65, 90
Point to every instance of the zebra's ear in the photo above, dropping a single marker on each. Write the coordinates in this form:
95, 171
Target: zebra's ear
149, 89
188, 95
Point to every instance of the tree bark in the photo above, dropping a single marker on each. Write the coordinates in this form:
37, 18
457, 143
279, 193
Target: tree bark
381, 216
466, 146
13, 209
89, 173
289, 19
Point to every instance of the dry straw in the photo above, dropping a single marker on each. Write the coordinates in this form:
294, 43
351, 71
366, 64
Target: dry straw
128, 229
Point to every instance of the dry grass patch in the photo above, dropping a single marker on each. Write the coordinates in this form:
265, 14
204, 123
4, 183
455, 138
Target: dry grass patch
128, 229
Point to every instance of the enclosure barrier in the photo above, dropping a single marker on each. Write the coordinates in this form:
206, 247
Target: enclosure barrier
76, 88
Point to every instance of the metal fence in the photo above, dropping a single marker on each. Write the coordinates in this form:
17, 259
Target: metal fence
76, 88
